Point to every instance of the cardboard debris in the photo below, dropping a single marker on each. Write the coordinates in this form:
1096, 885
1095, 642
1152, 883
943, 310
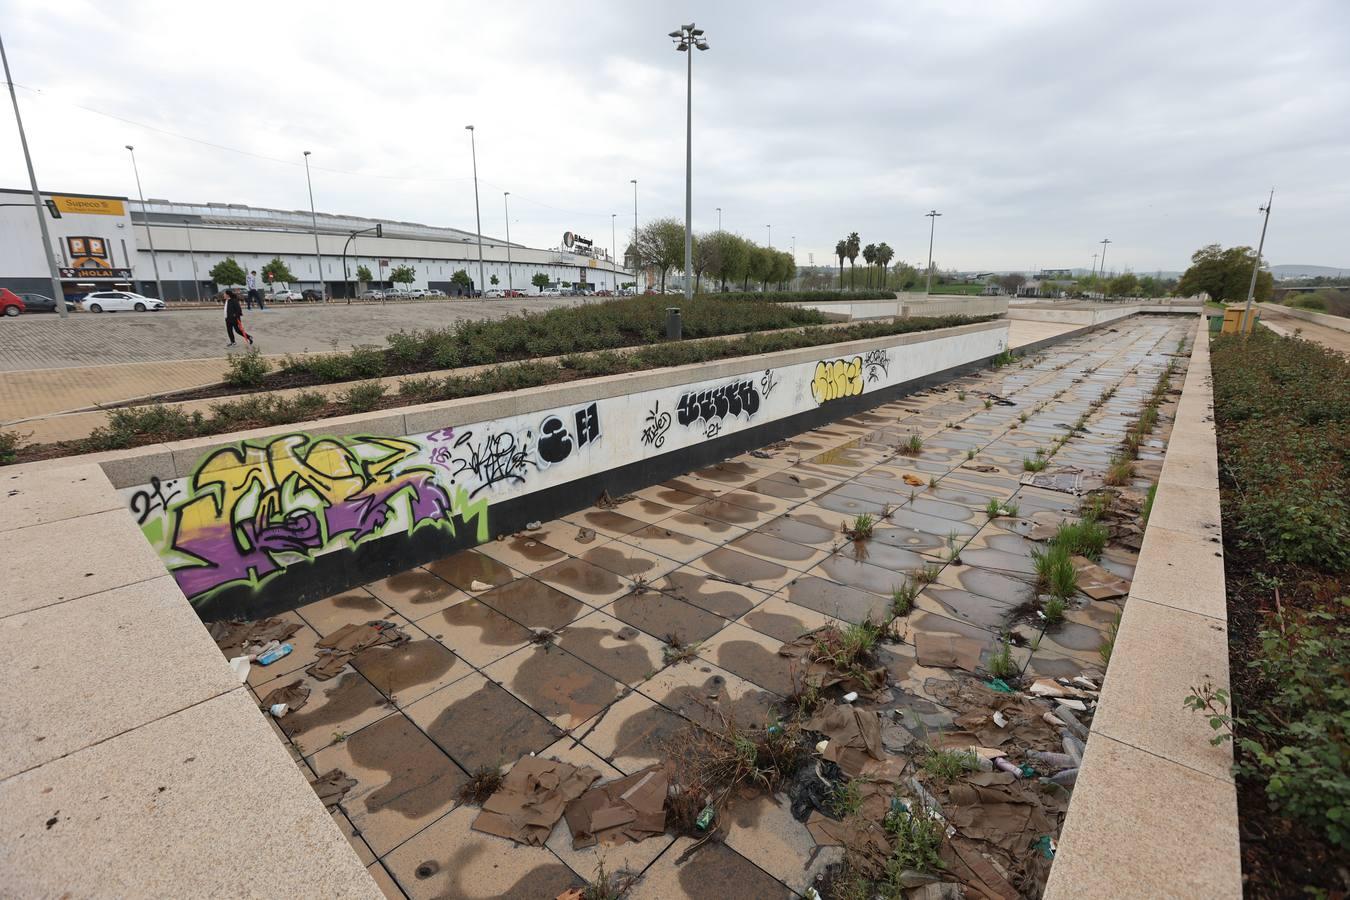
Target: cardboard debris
980, 467
231, 636
854, 736
350, 640
1045, 687
863, 836
294, 695
1098, 583
332, 786
948, 651
532, 798
626, 809
1001, 814
1065, 479
914, 480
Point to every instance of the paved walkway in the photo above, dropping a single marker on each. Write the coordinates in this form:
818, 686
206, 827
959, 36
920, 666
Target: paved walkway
1273, 316
730, 562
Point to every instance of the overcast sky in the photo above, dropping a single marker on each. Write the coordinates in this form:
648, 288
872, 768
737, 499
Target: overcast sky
1036, 128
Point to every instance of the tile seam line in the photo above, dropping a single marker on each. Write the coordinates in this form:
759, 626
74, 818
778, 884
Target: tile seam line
89, 512
1226, 782
119, 734
116, 587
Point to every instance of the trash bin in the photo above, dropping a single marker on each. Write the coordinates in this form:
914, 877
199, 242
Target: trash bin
674, 324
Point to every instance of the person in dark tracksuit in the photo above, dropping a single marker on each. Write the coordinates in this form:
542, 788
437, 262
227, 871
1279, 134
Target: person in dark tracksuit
234, 319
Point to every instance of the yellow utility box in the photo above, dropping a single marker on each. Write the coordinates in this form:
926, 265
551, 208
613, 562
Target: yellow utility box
1232, 319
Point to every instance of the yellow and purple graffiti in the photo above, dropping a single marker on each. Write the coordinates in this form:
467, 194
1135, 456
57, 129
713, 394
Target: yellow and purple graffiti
837, 378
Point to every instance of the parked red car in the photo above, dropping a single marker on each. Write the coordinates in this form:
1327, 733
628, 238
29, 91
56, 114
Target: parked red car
10, 303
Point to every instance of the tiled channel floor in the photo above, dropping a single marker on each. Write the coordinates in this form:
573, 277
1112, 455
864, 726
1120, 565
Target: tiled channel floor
738, 558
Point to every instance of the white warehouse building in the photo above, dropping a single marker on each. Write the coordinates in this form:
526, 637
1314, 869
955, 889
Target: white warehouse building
104, 242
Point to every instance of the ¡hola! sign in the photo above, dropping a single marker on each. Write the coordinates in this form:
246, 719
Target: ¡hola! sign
90, 206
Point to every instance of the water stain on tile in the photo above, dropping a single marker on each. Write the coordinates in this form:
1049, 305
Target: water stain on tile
760, 544
607, 520
791, 527
344, 699
544, 880
967, 607
644, 734
558, 684
716, 867
493, 627
837, 600
776, 625
879, 553
995, 585
422, 779
612, 651
861, 575
623, 560
662, 616
731, 513
393, 670
528, 548
536, 605
742, 569
694, 586
490, 727
415, 587
756, 665
709, 701
464, 568
583, 578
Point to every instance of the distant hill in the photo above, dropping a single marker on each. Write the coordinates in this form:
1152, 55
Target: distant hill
1282, 273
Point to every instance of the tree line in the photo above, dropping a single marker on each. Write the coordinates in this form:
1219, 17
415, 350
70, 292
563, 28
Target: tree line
720, 256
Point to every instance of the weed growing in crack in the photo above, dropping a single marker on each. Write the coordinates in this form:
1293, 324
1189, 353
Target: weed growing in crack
913, 446
1033, 465
1120, 471
903, 597
862, 527
482, 784
1002, 664
1053, 609
949, 765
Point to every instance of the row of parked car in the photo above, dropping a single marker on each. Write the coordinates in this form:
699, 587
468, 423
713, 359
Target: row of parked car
12, 304
400, 294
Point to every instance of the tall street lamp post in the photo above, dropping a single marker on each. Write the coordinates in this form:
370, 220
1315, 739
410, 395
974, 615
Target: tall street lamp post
794, 262
932, 215
314, 224
719, 218
686, 38
636, 261
506, 204
1105, 241
196, 282
1256, 267
473, 149
770, 230
58, 295
613, 253
149, 233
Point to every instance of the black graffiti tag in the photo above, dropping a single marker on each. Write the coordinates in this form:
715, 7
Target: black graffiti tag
877, 363
719, 403
144, 502
494, 459
657, 424
767, 383
556, 442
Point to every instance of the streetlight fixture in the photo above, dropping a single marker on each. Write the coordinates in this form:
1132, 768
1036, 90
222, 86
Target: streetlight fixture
794, 262
770, 228
1256, 267
719, 218
1105, 241
196, 282
635, 236
686, 38
506, 204
58, 294
314, 223
613, 253
932, 216
473, 149
149, 232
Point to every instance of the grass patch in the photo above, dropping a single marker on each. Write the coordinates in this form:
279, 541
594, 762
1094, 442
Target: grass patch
1002, 664
913, 446
1086, 538
246, 369
1054, 570
1034, 465
1148, 503
949, 765
1119, 472
861, 528
903, 597
1053, 608
916, 846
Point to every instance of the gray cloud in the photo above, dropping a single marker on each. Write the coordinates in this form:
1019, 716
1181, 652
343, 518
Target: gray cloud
1037, 128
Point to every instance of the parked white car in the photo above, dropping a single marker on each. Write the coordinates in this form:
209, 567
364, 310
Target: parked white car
284, 295
397, 294
432, 292
492, 293
550, 292
118, 301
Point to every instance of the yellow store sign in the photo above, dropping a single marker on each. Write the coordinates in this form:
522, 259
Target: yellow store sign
90, 206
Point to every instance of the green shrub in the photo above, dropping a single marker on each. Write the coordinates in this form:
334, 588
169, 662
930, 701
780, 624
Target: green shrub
363, 397
246, 369
1085, 538
1054, 570
949, 765
1313, 302
10, 442
903, 597
138, 425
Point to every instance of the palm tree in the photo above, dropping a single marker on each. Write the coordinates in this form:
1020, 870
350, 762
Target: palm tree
884, 256
854, 247
869, 254
841, 251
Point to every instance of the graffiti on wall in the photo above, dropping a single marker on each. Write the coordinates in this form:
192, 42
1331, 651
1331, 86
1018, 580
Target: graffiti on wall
655, 426
712, 407
877, 364
767, 382
837, 378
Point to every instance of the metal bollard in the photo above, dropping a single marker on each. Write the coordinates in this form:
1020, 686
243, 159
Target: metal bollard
674, 324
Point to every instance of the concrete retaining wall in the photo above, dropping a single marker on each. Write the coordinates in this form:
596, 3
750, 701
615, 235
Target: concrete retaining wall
1340, 323
911, 305
1154, 812
233, 517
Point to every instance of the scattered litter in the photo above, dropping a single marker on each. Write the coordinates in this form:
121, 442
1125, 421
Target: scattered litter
585, 535
532, 798
705, 817
980, 467
1000, 720
336, 650
605, 501
626, 809
914, 480
332, 786
1074, 748
1065, 778
854, 737
821, 746
1069, 719
1047, 845
534, 526
850, 697
478, 586
293, 696
278, 710
232, 636
1076, 705
998, 684
1002, 763
822, 675
240, 666
760, 454
1065, 479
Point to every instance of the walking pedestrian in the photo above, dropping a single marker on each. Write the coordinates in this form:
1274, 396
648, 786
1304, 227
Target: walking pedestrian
253, 292
234, 319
